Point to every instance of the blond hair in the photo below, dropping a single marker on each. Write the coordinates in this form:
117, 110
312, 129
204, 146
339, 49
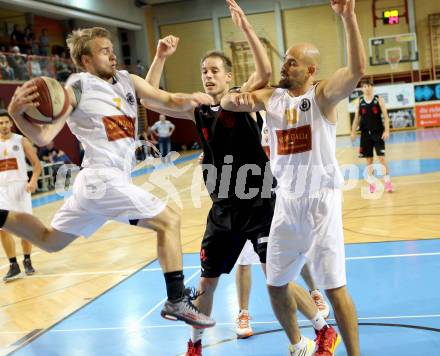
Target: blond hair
79, 42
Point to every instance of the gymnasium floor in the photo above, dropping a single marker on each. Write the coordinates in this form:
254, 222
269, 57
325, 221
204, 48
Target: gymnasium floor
393, 257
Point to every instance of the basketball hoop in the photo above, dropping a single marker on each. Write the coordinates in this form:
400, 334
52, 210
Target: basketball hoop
393, 56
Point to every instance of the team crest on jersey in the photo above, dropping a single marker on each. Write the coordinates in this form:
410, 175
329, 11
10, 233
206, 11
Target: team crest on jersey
305, 105
130, 98
15, 148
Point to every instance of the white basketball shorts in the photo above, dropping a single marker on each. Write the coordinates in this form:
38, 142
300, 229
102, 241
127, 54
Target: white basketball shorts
307, 229
248, 256
100, 195
15, 197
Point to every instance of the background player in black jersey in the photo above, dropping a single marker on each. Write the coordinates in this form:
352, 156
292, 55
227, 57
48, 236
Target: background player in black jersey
374, 132
230, 142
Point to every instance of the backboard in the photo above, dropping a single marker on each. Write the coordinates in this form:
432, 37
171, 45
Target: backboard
388, 49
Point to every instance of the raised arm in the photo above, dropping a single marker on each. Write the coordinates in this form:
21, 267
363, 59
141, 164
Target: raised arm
247, 102
342, 83
165, 48
263, 70
170, 102
25, 97
386, 119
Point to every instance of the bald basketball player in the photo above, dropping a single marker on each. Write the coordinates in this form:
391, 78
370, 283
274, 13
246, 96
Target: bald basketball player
307, 224
102, 115
235, 138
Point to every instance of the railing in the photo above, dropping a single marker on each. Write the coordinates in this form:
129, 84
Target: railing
21, 67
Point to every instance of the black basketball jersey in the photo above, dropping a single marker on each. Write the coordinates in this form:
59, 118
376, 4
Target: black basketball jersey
370, 115
225, 133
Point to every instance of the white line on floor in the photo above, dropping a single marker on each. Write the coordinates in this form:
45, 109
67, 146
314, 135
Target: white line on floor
136, 324
181, 325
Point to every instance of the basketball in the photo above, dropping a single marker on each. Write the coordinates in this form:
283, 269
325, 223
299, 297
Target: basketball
53, 100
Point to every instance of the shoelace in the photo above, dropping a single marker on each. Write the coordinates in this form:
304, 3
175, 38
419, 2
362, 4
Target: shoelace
190, 295
243, 321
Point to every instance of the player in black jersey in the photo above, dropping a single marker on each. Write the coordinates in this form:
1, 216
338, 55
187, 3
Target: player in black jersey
238, 175
374, 132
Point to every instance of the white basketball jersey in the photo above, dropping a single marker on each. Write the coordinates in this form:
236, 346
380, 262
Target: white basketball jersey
265, 137
302, 144
12, 161
105, 121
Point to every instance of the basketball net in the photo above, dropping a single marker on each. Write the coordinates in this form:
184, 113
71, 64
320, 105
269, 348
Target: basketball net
394, 63
393, 56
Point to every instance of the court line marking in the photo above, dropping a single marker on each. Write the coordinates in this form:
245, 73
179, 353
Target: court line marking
158, 269
302, 321
137, 322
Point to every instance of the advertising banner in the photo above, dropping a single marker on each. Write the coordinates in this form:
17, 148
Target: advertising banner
428, 115
396, 96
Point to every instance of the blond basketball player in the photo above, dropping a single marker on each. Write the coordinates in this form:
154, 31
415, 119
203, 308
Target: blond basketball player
103, 116
15, 189
307, 224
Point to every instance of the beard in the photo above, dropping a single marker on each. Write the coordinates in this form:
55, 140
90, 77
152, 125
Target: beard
105, 74
285, 83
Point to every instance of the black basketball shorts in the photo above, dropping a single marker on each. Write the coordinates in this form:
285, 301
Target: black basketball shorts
370, 140
230, 223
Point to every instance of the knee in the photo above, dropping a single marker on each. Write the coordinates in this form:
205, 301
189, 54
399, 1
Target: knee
169, 222
276, 292
337, 295
52, 245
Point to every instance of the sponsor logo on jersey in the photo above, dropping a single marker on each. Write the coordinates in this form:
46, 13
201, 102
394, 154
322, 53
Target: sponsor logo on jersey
15, 148
119, 126
294, 140
8, 164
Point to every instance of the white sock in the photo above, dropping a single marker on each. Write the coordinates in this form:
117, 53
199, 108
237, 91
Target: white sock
387, 178
196, 335
318, 322
300, 345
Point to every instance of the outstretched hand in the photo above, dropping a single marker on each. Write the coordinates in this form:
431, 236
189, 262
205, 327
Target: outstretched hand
238, 16
24, 97
344, 8
167, 46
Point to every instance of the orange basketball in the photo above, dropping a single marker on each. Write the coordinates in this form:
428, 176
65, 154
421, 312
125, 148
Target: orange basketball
53, 100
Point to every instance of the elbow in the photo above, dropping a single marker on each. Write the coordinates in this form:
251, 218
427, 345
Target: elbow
265, 77
360, 69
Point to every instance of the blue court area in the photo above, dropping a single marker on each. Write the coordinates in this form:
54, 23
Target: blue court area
397, 137
394, 286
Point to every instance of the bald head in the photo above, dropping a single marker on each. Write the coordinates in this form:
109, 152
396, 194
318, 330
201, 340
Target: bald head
300, 67
306, 52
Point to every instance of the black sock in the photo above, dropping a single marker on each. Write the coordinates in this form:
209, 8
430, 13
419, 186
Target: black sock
3, 217
13, 260
175, 286
27, 257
